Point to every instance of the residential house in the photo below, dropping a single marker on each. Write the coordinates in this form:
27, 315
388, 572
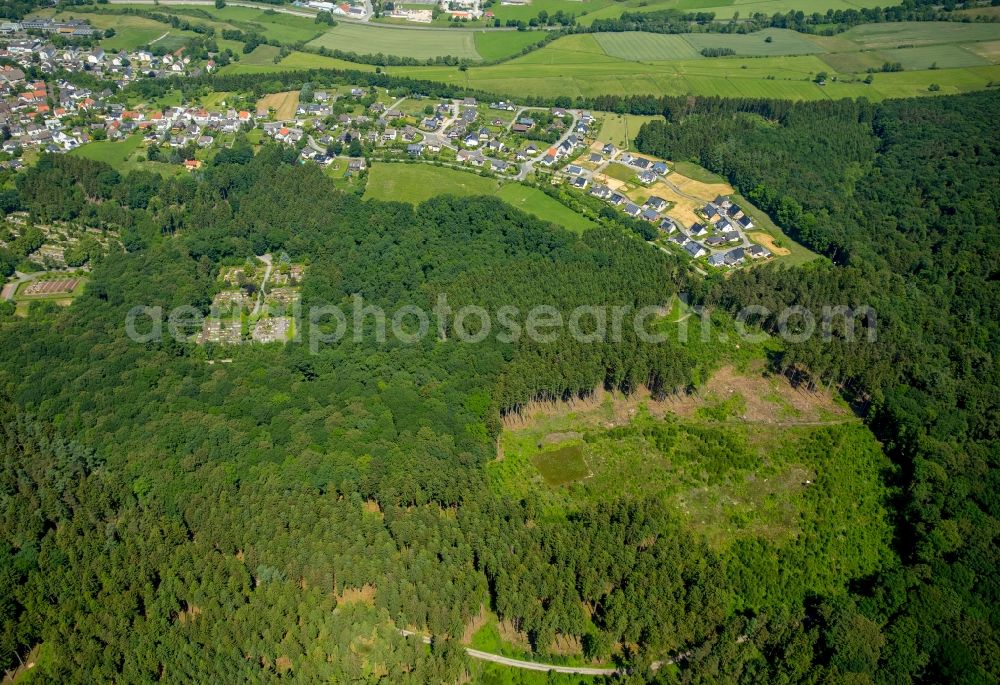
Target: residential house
694, 249
735, 257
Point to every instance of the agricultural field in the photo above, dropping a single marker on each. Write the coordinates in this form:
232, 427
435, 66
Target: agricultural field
637, 46
286, 28
420, 44
415, 183
592, 64
783, 42
284, 104
525, 12
915, 33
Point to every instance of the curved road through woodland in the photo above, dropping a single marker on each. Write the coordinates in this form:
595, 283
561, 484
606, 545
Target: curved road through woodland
520, 663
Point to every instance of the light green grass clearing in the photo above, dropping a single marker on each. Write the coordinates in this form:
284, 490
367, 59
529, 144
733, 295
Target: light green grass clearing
415, 183
538, 204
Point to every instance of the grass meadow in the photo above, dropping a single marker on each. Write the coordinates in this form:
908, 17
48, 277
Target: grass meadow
415, 183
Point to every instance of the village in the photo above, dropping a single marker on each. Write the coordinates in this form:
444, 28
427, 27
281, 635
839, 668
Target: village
552, 145
344, 129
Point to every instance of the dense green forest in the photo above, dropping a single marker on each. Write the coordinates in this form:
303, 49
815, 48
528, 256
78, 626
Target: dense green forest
905, 197
168, 516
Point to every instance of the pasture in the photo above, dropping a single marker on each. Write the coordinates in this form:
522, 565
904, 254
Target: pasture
286, 28
420, 44
130, 32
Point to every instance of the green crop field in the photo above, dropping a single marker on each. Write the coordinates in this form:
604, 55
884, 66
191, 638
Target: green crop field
498, 44
420, 44
942, 56
721, 8
578, 66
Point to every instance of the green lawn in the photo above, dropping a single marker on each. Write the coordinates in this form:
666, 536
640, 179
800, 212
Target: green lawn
620, 172
696, 172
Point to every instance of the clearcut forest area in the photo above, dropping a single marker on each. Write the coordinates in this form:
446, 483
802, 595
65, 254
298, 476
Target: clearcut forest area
559, 341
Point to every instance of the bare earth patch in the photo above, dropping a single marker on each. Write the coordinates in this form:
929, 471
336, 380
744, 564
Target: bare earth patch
558, 437
364, 594
767, 399
511, 635
767, 241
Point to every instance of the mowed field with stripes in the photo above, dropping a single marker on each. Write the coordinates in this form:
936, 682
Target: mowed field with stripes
955, 57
